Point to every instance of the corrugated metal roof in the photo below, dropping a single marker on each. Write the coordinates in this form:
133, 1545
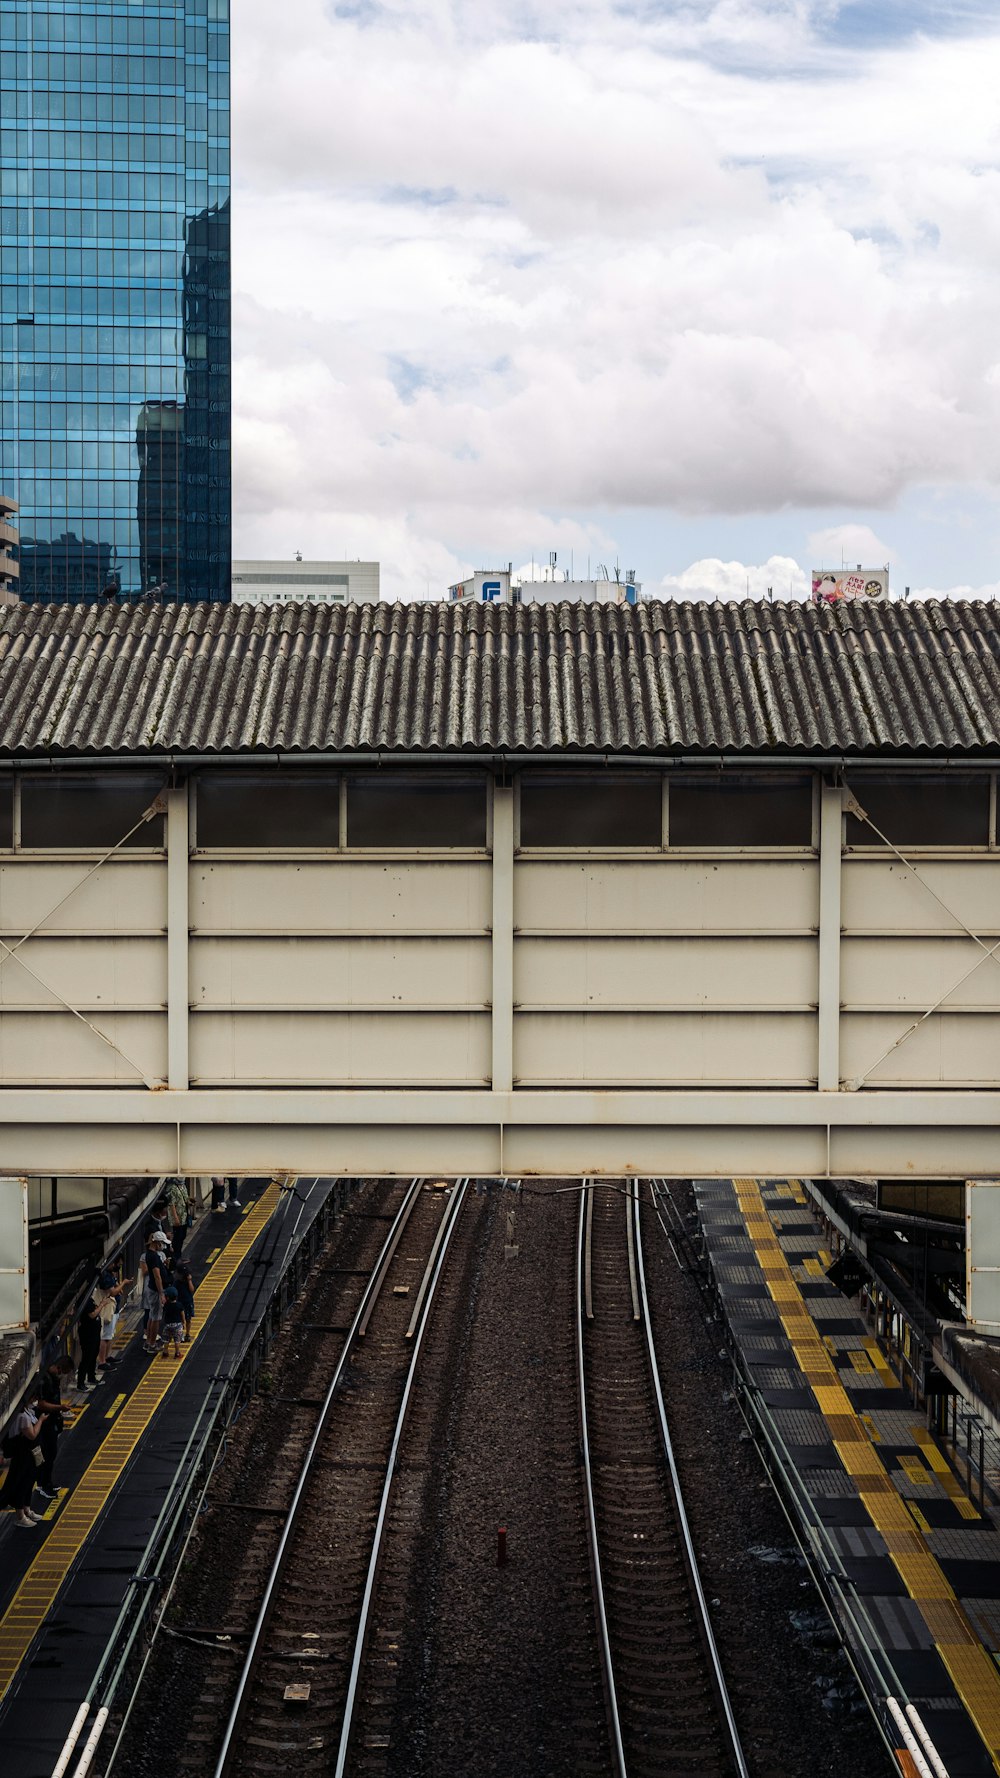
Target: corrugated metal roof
660, 677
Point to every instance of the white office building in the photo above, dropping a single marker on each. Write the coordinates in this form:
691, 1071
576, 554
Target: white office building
498, 586
298, 582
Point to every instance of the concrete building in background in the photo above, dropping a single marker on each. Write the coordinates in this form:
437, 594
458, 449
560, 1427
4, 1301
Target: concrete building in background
8, 545
499, 586
287, 583
115, 410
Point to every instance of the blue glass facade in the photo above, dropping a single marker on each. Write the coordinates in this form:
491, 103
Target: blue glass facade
115, 410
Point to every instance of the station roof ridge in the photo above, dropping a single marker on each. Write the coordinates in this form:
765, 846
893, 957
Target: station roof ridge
664, 677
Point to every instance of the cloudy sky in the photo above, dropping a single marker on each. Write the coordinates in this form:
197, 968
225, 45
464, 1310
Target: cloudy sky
710, 288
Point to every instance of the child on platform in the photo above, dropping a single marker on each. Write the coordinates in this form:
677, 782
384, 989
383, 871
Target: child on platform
172, 1328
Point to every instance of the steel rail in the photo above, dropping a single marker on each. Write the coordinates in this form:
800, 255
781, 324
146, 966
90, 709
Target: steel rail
371, 1292
689, 1549
435, 1267
584, 1308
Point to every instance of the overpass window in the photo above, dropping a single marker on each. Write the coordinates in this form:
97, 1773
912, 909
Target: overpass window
605, 808
89, 811
736, 809
6, 812
922, 809
268, 809
400, 808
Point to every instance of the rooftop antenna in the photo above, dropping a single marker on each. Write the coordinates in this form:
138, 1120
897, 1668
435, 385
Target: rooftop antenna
298, 555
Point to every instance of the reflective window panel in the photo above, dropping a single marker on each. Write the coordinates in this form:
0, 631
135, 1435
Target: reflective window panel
414, 808
737, 809
92, 810
939, 809
268, 809
603, 808
115, 296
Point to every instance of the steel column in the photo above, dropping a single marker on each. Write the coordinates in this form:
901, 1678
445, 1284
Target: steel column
178, 922
503, 938
831, 822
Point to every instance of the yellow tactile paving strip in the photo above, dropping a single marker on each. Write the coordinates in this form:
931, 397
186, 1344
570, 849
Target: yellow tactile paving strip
39, 1589
972, 1670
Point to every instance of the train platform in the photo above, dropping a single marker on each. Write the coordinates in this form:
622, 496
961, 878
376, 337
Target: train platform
909, 1564
64, 1585
64, 1253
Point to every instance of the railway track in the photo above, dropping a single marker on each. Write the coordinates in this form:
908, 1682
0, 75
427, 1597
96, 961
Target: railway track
295, 1694
668, 1711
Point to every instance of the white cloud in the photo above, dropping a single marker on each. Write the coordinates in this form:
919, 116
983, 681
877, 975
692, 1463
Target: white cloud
713, 579
511, 262
848, 544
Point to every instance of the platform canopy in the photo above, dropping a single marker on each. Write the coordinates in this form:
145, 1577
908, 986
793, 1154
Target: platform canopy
678, 888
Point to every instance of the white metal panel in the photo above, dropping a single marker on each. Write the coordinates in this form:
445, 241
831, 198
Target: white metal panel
914, 972
366, 895
886, 896
293, 972
56, 1047
915, 1151
108, 1147
664, 1049
732, 894
948, 1049
982, 1253
13, 1252
680, 1152
124, 892
93, 972
310, 1048
640, 971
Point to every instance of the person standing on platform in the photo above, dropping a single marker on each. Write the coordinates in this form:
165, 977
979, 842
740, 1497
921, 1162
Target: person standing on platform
88, 1330
160, 1214
184, 1284
173, 1322
20, 1443
218, 1195
109, 1301
153, 1271
49, 1406
233, 1184
180, 1208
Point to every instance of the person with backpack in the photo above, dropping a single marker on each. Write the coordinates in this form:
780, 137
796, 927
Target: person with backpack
173, 1322
21, 1445
88, 1329
183, 1278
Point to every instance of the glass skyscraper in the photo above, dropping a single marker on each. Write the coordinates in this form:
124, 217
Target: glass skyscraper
115, 410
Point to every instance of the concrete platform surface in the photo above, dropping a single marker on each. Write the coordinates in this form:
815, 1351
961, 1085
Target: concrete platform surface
912, 1565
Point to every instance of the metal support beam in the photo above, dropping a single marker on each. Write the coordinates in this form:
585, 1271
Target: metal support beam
456, 1131
502, 1073
831, 821
178, 920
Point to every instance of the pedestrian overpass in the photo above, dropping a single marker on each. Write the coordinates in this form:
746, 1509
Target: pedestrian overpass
673, 889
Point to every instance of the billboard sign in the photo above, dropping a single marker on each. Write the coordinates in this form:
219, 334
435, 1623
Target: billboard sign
828, 587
